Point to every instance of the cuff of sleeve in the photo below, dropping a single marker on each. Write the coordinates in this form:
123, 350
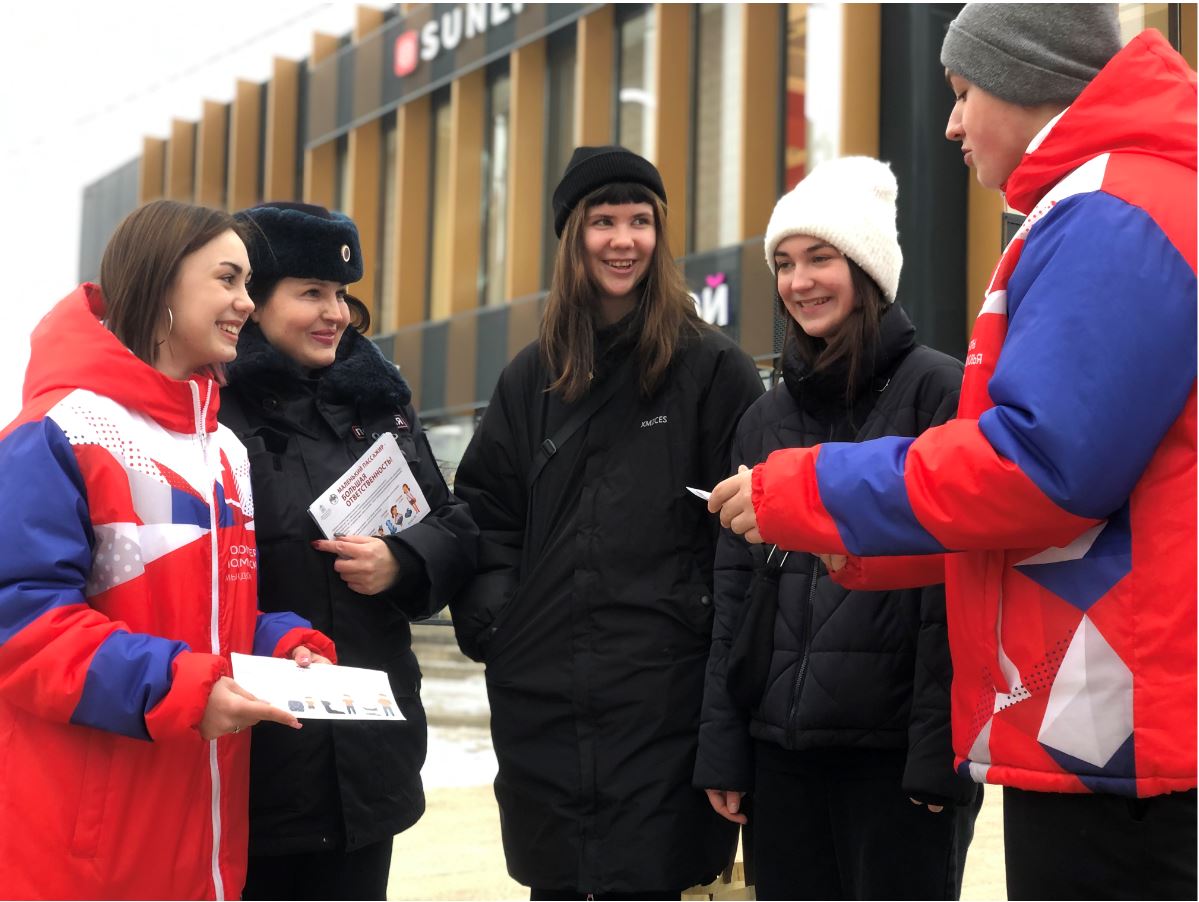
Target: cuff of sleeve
314, 639
413, 581
193, 675
787, 505
851, 575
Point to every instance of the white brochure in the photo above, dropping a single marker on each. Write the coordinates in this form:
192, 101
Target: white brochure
319, 691
378, 496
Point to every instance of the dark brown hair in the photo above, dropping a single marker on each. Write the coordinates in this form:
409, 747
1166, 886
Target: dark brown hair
568, 328
141, 262
855, 345
261, 292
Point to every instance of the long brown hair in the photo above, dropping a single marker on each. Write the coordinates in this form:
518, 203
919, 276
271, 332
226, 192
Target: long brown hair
140, 264
856, 344
568, 328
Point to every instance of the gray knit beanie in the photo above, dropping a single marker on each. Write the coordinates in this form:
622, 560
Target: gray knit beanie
1032, 53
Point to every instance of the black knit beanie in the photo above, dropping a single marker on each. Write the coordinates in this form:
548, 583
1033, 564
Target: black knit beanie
593, 167
301, 241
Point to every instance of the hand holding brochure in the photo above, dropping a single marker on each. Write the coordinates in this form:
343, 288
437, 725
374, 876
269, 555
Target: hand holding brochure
319, 691
377, 496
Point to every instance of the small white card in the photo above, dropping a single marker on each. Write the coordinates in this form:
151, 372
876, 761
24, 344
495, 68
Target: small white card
699, 493
319, 691
377, 496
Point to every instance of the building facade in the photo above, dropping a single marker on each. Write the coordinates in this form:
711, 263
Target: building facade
443, 128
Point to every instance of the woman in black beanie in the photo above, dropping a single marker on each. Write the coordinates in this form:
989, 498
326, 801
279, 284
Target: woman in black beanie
308, 395
593, 605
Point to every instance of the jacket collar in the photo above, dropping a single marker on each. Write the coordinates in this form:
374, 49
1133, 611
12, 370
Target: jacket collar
823, 392
1143, 100
360, 374
71, 348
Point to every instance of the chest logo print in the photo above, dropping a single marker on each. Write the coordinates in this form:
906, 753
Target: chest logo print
656, 421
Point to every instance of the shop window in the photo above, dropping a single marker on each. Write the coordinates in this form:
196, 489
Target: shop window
716, 142
824, 26
448, 437
795, 125
635, 89
437, 298
341, 172
1136, 17
386, 254
493, 260
561, 58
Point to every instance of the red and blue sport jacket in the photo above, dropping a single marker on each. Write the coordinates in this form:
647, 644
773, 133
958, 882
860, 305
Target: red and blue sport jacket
127, 577
1064, 492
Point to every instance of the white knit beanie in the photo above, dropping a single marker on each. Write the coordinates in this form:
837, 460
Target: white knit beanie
850, 203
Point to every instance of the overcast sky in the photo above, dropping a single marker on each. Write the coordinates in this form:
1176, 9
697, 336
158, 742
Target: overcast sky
80, 85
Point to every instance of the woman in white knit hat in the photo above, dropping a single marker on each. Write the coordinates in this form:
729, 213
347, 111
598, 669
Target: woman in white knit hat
826, 711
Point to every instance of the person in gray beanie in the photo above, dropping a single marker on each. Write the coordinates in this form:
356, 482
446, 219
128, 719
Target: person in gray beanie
1014, 67
1032, 53
308, 395
1065, 489
850, 791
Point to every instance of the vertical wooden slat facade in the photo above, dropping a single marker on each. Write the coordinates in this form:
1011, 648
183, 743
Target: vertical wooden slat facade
244, 138
761, 139
212, 144
861, 50
320, 162
526, 171
181, 161
466, 185
151, 170
412, 175
240, 154
282, 109
672, 76
594, 77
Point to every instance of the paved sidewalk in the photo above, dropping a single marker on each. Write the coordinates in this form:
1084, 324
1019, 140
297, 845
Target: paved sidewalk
454, 851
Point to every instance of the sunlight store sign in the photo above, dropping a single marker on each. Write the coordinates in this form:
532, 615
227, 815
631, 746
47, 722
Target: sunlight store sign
417, 53
714, 283
712, 300
464, 22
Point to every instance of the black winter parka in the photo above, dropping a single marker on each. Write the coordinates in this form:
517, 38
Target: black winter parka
593, 612
350, 784
849, 669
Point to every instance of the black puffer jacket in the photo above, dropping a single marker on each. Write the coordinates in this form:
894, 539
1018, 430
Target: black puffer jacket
849, 669
593, 612
343, 786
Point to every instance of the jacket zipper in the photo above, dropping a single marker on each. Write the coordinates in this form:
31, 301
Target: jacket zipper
790, 728
201, 414
807, 648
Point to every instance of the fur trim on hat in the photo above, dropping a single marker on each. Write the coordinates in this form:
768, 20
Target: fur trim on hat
301, 241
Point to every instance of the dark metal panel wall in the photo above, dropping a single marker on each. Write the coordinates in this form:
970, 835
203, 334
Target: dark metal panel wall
106, 202
932, 180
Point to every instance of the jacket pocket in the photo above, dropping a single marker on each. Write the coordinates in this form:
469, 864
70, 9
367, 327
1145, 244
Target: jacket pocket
89, 820
485, 637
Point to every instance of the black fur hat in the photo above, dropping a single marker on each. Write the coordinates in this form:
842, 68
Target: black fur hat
301, 241
593, 167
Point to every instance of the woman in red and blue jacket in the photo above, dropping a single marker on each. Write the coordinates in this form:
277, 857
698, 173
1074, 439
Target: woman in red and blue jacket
128, 579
